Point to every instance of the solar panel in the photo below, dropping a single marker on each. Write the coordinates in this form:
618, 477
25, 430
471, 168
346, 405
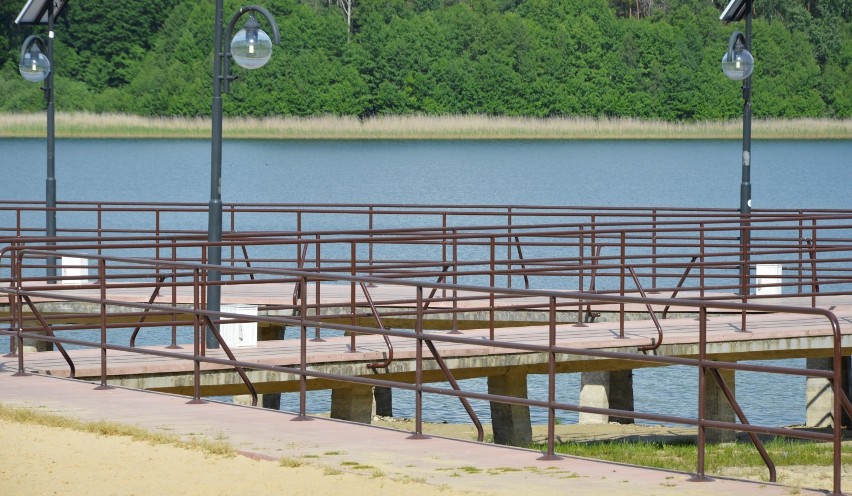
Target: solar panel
735, 10
36, 11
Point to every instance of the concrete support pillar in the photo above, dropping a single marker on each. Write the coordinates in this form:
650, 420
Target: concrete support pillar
269, 332
384, 401
32, 345
511, 423
608, 389
819, 397
353, 403
269, 400
718, 407
265, 332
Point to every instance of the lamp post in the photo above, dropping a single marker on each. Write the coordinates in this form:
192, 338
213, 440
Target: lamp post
36, 65
250, 48
738, 64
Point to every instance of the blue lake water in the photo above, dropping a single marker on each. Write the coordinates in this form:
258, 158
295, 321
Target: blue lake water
785, 174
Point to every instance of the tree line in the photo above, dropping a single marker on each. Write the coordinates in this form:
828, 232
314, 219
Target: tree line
655, 59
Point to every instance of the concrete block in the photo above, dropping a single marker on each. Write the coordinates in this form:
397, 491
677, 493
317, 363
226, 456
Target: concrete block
511, 423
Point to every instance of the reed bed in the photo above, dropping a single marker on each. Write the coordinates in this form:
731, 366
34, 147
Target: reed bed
416, 127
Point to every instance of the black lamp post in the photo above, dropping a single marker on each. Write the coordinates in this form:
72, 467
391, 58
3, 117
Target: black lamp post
36, 65
738, 64
250, 48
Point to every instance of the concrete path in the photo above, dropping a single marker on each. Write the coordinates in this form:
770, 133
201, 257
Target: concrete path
463, 465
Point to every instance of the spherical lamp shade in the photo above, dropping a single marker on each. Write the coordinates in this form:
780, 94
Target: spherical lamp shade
251, 48
34, 66
738, 64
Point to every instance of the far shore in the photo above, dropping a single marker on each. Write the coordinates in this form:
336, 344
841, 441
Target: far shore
415, 127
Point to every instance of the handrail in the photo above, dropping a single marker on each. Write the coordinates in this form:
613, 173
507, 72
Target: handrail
702, 361
144, 316
230, 354
680, 284
480, 433
653, 346
758, 444
523, 266
300, 264
387, 361
49, 332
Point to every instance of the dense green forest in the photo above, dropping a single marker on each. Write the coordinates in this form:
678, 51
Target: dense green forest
615, 58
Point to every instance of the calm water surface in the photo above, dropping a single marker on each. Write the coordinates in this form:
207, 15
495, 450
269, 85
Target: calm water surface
785, 174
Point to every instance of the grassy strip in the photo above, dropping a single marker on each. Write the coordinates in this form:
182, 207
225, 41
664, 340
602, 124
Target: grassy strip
106, 428
683, 455
85, 125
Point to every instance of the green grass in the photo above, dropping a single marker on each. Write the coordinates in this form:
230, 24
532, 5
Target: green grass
106, 428
415, 127
289, 462
683, 455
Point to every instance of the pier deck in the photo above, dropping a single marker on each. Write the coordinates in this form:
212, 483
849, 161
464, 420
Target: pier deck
769, 336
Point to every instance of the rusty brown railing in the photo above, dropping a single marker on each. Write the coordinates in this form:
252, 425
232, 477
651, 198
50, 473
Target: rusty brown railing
116, 273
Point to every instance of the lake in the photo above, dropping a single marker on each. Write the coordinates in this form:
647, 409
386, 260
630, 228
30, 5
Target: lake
707, 174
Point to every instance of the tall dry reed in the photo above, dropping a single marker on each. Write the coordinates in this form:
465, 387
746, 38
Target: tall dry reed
413, 127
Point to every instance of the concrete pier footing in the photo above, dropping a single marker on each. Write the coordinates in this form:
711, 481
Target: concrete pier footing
819, 410
511, 423
607, 389
718, 407
384, 401
354, 403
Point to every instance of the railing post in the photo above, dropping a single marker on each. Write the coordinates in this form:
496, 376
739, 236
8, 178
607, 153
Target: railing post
837, 428
702, 392
317, 284
203, 288
352, 309
801, 252
701, 258
444, 247
814, 278
303, 350
745, 273
551, 385
581, 248
197, 336
174, 344
455, 317
492, 278
100, 228
654, 250
233, 245
103, 322
509, 247
622, 283
16, 260
418, 370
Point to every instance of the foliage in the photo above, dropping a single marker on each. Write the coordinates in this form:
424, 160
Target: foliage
535, 58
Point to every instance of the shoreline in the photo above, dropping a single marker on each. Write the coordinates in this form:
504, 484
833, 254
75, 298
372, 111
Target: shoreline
417, 127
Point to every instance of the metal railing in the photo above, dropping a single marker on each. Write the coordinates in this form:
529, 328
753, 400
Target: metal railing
117, 273
573, 261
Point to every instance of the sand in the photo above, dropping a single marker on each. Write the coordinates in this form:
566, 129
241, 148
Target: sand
37, 460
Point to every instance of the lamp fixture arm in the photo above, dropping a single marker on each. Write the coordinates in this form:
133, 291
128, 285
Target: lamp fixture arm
276, 37
225, 51
33, 39
733, 42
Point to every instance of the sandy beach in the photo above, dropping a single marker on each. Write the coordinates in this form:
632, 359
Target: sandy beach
39, 460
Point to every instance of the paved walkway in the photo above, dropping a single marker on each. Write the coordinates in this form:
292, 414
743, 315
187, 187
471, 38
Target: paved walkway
477, 467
